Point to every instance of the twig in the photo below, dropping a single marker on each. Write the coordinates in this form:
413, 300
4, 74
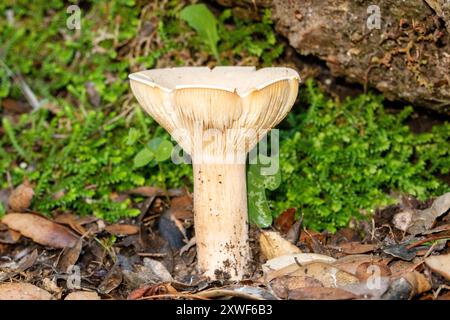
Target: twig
26, 90
418, 243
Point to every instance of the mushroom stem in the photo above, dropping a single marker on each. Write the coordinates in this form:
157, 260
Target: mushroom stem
221, 223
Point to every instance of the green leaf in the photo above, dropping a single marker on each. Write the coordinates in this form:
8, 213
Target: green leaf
143, 158
161, 148
257, 183
201, 19
133, 136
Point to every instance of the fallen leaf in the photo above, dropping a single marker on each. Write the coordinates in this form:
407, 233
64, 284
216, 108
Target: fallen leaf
242, 292
20, 198
356, 247
181, 207
69, 256
351, 263
326, 274
440, 264
285, 220
152, 290
372, 289
28, 261
50, 285
368, 270
400, 267
274, 245
400, 251
313, 240
418, 221
317, 293
112, 280
72, 221
419, 282
22, 291
158, 269
283, 285
399, 289
301, 258
40, 230
82, 295
122, 229
9, 236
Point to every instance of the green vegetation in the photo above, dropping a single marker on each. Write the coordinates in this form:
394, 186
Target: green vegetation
341, 160
90, 141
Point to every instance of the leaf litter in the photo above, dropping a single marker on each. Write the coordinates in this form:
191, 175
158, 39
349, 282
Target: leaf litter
138, 258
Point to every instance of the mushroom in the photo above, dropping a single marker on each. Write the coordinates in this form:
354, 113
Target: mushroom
217, 116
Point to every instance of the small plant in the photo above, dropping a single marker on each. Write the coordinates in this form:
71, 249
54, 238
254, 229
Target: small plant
238, 39
204, 22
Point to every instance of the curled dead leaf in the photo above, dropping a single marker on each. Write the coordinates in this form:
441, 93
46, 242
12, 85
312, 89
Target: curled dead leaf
440, 264
285, 220
274, 245
418, 221
418, 281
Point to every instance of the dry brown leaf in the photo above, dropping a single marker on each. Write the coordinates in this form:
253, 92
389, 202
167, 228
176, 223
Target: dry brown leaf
440, 264
152, 290
285, 220
181, 207
20, 198
283, 285
419, 221
9, 236
51, 286
368, 270
356, 247
326, 274
400, 267
274, 245
112, 280
317, 293
82, 295
72, 221
350, 263
301, 258
40, 230
69, 256
22, 291
122, 229
418, 281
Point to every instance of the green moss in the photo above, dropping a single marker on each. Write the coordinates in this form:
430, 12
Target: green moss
342, 160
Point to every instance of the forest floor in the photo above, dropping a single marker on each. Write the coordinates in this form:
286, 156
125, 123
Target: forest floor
402, 253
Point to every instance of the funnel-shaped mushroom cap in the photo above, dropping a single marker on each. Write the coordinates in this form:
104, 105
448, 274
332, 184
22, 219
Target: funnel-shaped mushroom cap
216, 112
